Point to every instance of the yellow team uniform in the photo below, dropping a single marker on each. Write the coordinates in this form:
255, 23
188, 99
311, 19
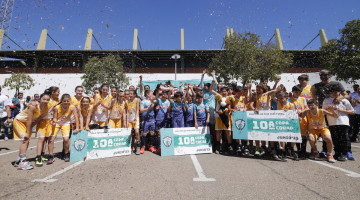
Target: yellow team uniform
84, 113
263, 102
306, 92
219, 124
237, 103
116, 115
317, 124
101, 114
21, 119
300, 105
287, 106
132, 110
64, 120
74, 101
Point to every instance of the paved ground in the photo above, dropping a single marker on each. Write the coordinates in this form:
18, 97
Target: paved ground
150, 176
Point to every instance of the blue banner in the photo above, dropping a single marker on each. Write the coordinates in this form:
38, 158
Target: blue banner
78, 146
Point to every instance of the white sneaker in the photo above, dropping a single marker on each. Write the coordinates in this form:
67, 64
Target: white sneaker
6, 138
25, 165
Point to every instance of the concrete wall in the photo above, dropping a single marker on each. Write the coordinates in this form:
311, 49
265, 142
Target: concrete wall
67, 82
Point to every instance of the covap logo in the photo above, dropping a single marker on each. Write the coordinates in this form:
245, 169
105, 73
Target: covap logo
79, 144
167, 141
240, 124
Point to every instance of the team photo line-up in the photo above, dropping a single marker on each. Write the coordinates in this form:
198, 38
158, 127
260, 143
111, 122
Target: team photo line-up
325, 111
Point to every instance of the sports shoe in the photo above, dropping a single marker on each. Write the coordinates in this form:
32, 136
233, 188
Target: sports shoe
342, 158
152, 149
283, 157
313, 155
158, 151
330, 159
6, 138
133, 149
25, 165
67, 157
51, 160
257, 151
294, 155
44, 159
142, 150
350, 156
323, 154
275, 157
38, 161
246, 152
137, 152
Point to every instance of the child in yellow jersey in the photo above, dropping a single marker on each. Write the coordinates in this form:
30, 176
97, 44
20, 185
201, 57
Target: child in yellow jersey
262, 101
96, 91
317, 127
23, 124
300, 106
75, 100
133, 107
305, 88
86, 111
222, 119
115, 115
102, 106
238, 103
62, 121
45, 128
283, 104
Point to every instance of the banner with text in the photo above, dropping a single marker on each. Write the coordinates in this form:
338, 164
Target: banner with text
266, 125
183, 141
112, 142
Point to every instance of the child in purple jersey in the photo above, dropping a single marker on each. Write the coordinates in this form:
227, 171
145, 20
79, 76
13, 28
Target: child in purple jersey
177, 111
148, 122
201, 111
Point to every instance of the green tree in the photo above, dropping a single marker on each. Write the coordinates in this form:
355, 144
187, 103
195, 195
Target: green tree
19, 80
342, 56
247, 58
108, 69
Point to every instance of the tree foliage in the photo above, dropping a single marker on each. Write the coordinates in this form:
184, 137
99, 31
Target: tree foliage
342, 56
19, 80
107, 70
247, 58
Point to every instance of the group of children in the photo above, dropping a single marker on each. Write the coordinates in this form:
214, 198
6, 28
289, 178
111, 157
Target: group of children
211, 104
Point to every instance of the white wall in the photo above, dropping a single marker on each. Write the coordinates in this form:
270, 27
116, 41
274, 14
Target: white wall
68, 82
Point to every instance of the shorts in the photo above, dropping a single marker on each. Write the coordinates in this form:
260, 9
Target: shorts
303, 126
115, 123
147, 126
19, 129
44, 128
319, 132
160, 124
178, 122
190, 124
201, 122
101, 123
219, 125
65, 130
134, 125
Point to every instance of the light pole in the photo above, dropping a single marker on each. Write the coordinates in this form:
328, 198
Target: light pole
175, 57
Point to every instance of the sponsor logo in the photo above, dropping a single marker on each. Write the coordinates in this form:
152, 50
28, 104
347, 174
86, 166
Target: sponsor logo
167, 141
79, 144
240, 124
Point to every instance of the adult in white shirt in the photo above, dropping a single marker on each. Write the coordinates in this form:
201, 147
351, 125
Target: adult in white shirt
339, 127
5, 113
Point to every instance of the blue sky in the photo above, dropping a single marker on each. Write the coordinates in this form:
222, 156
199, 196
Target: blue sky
159, 22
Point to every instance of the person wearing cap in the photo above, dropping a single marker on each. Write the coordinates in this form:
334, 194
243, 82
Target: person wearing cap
5, 113
339, 126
